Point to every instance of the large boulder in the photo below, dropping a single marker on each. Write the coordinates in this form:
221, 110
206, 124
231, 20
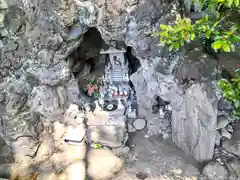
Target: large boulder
194, 113
194, 122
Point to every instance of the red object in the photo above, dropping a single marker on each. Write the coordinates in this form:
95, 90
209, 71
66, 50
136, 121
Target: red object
238, 65
90, 90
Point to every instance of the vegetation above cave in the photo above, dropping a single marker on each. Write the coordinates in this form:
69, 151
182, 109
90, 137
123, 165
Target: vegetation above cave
220, 27
218, 30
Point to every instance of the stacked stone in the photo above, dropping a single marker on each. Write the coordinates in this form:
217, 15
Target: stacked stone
108, 129
226, 160
225, 121
160, 123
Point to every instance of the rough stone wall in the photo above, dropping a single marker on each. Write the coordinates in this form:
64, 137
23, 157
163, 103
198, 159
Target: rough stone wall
38, 37
194, 115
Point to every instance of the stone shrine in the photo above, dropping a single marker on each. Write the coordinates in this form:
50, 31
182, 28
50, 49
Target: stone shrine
116, 95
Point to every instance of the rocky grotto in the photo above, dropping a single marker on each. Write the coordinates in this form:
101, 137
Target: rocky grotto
87, 93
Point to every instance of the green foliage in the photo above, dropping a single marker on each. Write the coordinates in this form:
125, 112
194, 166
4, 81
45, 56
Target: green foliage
222, 28
175, 36
219, 28
231, 91
97, 146
212, 4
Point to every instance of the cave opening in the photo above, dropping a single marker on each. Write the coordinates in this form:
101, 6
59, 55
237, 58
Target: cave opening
86, 56
89, 61
134, 63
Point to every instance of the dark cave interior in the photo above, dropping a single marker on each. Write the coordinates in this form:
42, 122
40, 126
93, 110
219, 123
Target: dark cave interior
87, 61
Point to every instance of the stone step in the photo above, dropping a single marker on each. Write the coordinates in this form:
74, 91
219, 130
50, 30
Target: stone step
111, 133
112, 136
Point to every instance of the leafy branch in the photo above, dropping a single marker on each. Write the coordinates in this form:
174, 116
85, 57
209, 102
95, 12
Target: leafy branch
231, 91
224, 33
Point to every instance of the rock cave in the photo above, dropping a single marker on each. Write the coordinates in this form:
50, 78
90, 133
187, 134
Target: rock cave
86, 92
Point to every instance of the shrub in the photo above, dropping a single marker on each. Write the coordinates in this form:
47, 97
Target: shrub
219, 27
231, 90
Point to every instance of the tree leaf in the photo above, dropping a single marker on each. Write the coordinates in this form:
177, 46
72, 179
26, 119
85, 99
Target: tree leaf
216, 23
217, 45
229, 3
208, 34
170, 48
217, 38
226, 47
237, 71
193, 36
164, 27
235, 39
236, 3
177, 45
178, 18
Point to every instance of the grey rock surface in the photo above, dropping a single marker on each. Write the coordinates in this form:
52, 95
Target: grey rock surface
222, 122
225, 105
44, 100
194, 109
233, 165
155, 156
38, 38
17, 92
56, 75
5, 170
233, 145
197, 66
194, 122
214, 171
218, 138
74, 96
226, 134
